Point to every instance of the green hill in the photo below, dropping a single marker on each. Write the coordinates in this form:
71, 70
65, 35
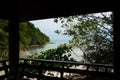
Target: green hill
29, 36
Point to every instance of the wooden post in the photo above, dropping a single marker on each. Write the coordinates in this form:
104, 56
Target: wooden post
87, 69
40, 71
61, 72
13, 47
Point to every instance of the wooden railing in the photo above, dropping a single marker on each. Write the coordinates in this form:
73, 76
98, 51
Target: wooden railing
37, 68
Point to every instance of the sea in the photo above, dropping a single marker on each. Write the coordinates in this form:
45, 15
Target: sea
75, 54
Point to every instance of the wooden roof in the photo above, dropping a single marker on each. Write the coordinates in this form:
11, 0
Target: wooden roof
40, 9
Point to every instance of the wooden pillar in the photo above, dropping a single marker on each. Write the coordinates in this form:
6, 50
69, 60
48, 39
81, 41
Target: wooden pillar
13, 47
116, 25
13, 39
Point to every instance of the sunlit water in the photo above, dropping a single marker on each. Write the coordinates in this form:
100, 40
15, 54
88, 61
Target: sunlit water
76, 53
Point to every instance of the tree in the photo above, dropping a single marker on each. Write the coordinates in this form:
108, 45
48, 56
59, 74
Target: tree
93, 34
3, 39
30, 35
61, 53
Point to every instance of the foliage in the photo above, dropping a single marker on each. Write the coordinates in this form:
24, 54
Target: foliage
93, 34
29, 35
3, 38
61, 53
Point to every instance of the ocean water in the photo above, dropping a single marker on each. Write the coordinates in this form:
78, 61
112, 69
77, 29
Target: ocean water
76, 53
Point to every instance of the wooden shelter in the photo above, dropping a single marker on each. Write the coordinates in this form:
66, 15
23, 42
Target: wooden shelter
26, 10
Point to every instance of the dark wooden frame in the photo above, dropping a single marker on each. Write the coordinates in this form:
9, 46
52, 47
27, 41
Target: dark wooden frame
24, 11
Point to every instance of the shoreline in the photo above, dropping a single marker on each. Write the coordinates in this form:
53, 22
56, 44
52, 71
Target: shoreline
23, 53
26, 48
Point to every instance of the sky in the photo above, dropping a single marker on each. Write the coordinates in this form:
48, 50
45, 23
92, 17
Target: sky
48, 26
